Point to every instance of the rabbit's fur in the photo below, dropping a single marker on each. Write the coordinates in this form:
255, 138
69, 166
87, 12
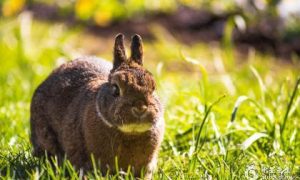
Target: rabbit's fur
78, 111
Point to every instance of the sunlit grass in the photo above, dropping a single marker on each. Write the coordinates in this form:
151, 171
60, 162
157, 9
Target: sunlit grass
222, 114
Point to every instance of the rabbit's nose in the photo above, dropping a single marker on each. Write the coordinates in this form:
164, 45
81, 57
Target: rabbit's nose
139, 109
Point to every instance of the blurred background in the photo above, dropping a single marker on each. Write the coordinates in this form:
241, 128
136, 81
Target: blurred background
210, 59
269, 26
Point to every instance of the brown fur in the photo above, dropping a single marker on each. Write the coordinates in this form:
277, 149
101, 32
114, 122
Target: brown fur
65, 121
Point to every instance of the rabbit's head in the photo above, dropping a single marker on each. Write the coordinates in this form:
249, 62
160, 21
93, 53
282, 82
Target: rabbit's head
128, 101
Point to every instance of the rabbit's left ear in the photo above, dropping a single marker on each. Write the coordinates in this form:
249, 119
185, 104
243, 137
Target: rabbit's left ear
137, 49
119, 51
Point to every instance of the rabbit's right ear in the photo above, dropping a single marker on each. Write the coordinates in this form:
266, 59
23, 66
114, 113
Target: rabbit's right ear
137, 49
119, 51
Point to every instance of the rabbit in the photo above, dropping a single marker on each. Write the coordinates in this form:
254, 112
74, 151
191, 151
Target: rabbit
89, 107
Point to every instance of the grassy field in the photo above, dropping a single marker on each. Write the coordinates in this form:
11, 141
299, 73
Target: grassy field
228, 115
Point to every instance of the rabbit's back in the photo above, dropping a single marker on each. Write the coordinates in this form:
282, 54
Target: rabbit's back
74, 74
53, 98
64, 84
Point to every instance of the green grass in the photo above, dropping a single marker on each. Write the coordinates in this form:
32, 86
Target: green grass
227, 115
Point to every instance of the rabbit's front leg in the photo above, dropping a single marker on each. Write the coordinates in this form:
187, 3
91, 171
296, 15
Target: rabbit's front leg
150, 168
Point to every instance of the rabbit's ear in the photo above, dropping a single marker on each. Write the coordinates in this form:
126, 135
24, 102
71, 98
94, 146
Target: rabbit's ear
119, 51
137, 49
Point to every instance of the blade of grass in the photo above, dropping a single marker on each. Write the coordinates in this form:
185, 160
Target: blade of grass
289, 106
261, 85
227, 41
218, 136
249, 141
293, 137
204, 120
117, 166
203, 73
238, 103
205, 167
294, 107
225, 77
193, 162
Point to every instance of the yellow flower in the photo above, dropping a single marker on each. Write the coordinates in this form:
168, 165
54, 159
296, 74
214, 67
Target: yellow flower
102, 18
11, 7
84, 8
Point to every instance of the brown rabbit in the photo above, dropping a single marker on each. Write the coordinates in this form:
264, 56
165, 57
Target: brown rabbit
90, 107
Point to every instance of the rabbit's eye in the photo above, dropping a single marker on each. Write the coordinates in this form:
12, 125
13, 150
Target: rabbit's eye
115, 90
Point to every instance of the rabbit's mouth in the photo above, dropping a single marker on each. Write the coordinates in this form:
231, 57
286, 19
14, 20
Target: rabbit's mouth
135, 128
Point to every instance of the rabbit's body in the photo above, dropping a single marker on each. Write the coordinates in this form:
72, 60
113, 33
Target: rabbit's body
74, 113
